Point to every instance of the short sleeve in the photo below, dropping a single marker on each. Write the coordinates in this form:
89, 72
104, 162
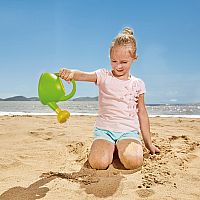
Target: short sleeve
101, 76
141, 87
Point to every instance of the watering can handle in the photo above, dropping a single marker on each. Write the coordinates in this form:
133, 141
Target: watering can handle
71, 94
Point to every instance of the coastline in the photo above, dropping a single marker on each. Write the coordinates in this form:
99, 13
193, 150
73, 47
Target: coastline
89, 114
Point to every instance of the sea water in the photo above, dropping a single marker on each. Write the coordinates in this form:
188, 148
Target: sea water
91, 108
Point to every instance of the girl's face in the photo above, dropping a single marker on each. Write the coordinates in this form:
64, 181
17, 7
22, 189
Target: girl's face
121, 61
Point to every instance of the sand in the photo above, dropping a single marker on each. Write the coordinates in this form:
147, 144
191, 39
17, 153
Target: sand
41, 159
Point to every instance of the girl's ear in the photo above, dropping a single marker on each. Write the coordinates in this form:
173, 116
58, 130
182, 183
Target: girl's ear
134, 60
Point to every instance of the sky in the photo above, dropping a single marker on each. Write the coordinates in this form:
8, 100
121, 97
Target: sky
38, 36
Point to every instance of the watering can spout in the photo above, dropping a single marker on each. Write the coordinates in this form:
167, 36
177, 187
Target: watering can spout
51, 91
62, 115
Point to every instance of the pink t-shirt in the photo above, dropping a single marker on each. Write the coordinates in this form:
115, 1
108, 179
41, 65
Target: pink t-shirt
118, 102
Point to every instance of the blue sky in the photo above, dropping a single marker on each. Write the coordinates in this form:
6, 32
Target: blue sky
38, 36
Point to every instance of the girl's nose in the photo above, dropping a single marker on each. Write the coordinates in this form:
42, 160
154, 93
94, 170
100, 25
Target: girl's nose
119, 66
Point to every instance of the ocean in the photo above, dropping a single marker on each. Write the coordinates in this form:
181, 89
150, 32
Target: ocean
91, 108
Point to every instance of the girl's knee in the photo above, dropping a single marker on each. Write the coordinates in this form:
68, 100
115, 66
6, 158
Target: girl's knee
130, 154
101, 154
99, 162
131, 161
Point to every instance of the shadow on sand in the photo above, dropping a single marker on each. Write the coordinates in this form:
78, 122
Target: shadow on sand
34, 191
101, 183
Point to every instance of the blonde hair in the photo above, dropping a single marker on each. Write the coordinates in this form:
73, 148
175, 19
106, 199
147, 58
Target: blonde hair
125, 38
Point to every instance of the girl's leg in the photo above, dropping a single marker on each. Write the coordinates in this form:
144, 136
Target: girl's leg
101, 154
130, 153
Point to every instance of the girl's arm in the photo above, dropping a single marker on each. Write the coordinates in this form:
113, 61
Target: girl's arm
69, 74
144, 125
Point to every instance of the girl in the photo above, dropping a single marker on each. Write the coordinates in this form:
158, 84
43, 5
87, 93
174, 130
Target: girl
122, 114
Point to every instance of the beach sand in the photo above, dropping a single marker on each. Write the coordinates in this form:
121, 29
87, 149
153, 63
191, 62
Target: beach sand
42, 159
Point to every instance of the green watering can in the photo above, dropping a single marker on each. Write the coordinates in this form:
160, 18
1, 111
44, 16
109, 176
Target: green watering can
51, 91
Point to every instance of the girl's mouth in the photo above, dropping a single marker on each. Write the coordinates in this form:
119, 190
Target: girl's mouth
119, 70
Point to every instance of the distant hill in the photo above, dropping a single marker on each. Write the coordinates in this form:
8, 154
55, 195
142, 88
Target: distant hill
86, 99
20, 98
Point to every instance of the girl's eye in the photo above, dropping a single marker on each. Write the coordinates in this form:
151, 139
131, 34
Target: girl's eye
114, 61
124, 62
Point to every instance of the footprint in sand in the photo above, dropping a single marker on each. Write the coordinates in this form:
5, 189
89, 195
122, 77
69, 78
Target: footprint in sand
44, 135
9, 163
143, 193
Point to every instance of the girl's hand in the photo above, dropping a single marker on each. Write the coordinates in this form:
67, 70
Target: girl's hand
67, 74
153, 149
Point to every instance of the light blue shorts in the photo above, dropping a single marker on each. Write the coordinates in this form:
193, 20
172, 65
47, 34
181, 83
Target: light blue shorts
114, 137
